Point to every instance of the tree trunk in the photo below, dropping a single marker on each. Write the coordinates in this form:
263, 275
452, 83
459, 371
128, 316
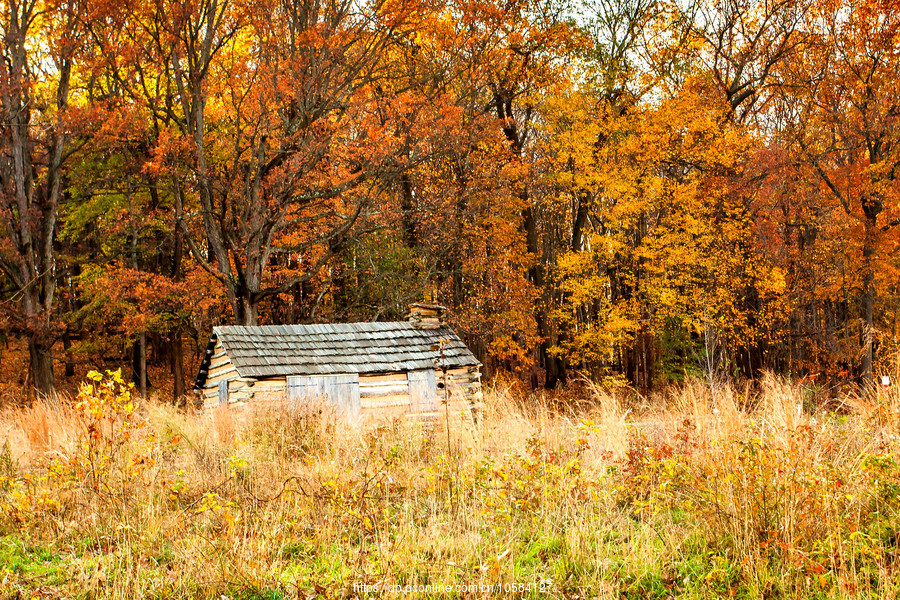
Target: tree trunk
67, 345
245, 310
578, 225
139, 364
142, 363
407, 212
867, 308
177, 348
536, 274
551, 372
645, 369
177, 353
31, 171
41, 365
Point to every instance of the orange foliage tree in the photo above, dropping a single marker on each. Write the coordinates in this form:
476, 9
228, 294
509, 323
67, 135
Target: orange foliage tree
638, 189
841, 107
39, 117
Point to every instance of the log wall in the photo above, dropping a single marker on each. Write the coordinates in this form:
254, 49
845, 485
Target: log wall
382, 395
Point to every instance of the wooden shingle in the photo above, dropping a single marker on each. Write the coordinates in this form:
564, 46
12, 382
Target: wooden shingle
282, 350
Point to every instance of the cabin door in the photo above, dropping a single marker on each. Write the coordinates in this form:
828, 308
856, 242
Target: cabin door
339, 391
223, 392
422, 392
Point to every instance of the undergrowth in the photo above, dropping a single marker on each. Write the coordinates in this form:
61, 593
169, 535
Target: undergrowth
744, 495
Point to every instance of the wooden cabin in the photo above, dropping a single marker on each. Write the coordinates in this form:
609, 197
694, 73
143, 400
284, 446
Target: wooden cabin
363, 370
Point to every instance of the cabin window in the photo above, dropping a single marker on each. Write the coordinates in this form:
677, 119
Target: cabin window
422, 391
339, 391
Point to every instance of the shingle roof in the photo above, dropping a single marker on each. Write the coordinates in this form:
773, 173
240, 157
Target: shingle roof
280, 350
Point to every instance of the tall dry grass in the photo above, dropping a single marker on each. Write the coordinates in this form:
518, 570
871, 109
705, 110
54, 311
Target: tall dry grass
745, 492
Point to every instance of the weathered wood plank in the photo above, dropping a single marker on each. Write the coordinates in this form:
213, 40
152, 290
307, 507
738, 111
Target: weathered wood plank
381, 378
341, 391
422, 391
454, 371
385, 401
385, 390
214, 381
464, 387
218, 364
270, 385
365, 383
223, 370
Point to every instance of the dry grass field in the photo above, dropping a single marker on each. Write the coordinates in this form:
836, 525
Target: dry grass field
751, 493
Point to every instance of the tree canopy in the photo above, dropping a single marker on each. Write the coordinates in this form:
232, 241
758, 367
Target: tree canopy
633, 190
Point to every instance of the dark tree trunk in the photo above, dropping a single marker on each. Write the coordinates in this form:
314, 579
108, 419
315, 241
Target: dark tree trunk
554, 368
33, 147
177, 354
408, 212
579, 224
139, 365
142, 363
245, 310
67, 345
867, 308
551, 371
41, 365
176, 347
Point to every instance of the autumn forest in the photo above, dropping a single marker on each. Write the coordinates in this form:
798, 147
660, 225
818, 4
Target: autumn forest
638, 191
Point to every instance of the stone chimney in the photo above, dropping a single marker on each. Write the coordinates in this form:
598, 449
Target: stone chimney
427, 316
